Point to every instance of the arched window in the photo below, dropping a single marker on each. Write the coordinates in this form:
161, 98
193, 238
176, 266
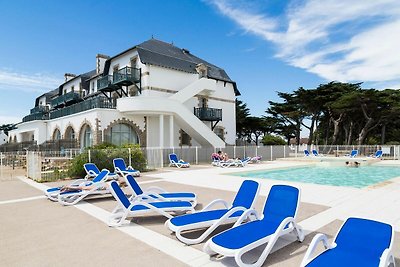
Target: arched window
123, 134
86, 136
70, 133
56, 134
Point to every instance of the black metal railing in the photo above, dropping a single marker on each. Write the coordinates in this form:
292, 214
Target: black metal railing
39, 109
65, 99
36, 116
126, 76
104, 82
97, 102
208, 114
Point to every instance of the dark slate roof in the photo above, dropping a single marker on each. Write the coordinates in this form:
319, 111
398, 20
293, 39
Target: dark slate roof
48, 95
159, 53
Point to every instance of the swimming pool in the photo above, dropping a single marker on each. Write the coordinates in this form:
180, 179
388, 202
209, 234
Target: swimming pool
335, 175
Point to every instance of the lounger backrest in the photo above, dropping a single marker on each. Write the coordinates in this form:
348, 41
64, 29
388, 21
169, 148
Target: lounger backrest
118, 194
364, 236
354, 153
173, 158
119, 163
246, 195
91, 168
101, 176
378, 154
133, 184
282, 202
306, 152
315, 152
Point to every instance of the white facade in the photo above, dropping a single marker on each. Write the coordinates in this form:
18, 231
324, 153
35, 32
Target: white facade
3, 138
155, 117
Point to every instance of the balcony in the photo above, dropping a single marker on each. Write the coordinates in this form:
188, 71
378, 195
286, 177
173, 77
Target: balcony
98, 102
208, 114
105, 83
35, 117
126, 76
40, 109
67, 98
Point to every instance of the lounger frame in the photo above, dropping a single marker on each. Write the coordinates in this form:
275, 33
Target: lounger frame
121, 213
386, 258
251, 215
211, 225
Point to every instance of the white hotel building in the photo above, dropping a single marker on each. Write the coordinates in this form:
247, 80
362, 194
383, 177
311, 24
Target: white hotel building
153, 94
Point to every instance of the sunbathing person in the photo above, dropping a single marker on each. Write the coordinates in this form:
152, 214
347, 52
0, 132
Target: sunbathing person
88, 185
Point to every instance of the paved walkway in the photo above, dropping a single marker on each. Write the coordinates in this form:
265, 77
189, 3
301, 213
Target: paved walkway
53, 235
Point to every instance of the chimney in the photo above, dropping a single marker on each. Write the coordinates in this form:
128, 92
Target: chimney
100, 60
69, 76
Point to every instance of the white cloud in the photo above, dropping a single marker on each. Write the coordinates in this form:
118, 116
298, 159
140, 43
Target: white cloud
36, 82
336, 39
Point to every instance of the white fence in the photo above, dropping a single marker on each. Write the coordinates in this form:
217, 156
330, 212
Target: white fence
55, 163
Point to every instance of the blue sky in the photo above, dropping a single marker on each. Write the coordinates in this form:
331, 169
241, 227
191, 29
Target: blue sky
265, 46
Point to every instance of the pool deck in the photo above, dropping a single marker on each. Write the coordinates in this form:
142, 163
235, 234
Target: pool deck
38, 232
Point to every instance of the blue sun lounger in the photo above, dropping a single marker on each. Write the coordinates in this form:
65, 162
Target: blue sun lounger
278, 219
130, 208
212, 218
179, 163
315, 153
155, 193
92, 171
53, 193
353, 153
122, 169
378, 154
359, 242
306, 153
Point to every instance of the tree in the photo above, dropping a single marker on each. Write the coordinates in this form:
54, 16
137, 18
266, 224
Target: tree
254, 128
7, 127
242, 113
271, 140
289, 112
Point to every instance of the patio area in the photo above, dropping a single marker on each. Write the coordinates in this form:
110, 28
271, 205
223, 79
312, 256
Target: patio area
53, 235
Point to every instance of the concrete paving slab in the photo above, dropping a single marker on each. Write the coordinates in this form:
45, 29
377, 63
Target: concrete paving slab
15, 189
43, 233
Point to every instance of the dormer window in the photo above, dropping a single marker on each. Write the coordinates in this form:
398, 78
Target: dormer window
202, 70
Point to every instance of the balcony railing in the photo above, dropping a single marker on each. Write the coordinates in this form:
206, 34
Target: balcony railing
65, 99
98, 102
105, 83
126, 76
35, 117
40, 109
208, 114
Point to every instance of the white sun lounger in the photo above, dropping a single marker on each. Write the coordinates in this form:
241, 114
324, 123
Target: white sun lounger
122, 169
155, 193
130, 208
179, 163
278, 219
97, 187
359, 242
212, 218
53, 193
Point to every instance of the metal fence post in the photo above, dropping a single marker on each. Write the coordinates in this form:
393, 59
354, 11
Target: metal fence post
89, 157
234, 152
271, 153
197, 155
284, 152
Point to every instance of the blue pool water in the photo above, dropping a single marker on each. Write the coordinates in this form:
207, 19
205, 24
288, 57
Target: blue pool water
338, 176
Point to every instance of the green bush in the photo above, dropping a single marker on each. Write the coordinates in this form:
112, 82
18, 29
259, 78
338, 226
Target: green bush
103, 156
270, 140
